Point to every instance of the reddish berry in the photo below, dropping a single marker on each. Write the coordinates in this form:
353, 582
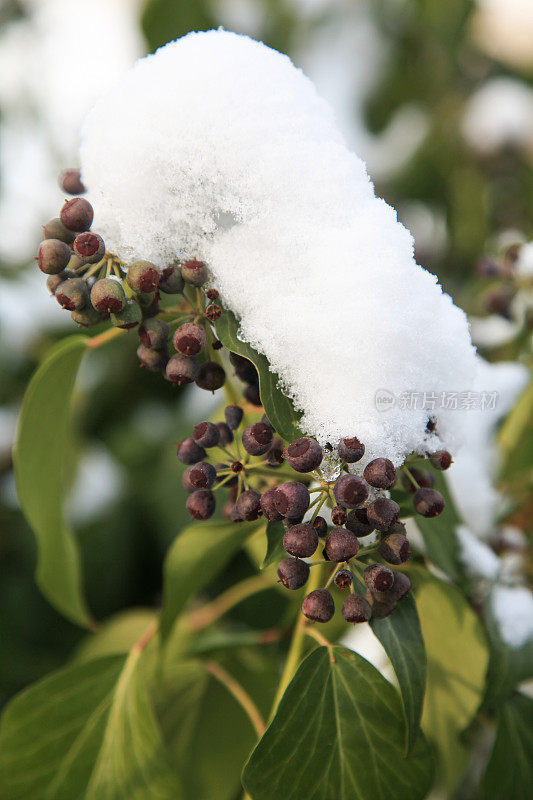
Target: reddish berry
378, 577
350, 491
293, 573
206, 434
248, 505
380, 473
343, 579
428, 502
70, 181
53, 256
356, 609
358, 522
268, 505
190, 339
201, 504
382, 513
318, 606
292, 499
189, 452
303, 455
301, 540
442, 459
341, 545
395, 548
351, 450
257, 438
77, 214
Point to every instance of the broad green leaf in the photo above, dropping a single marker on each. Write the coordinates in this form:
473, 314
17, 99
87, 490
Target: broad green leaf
275, 550
42, 443
278, 407
87, 732
196, 713
401, 636
117, 634
198, 554
509, 774
456, 666
508, 666
439, 536
338, 732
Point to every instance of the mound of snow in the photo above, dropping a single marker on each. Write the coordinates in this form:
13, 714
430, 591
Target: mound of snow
218, 147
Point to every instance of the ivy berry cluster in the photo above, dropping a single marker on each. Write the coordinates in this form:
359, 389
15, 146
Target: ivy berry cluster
95, 286
260, 474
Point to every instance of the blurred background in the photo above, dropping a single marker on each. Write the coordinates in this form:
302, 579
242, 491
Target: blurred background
436, 97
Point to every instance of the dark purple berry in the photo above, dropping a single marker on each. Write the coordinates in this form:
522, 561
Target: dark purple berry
248, 505
194, 272
154, 333
358, 523
343, 579
190, 339
293, 573
257, 438
442, 459
350, 491
292, 499
400, 588
226, 436
201, 475
54, 229
395, 548
89, 247
154, 360
301, 540
251, 394
143, 277
380, 473
244, 369
382, 513
70, 181
171, 280
303, 455
423, 477
318, 606
77, 214
356, 609
428, 502
233, 415
275, 454
211, 376
206, 434
351, 450
72, 294
53, 256
268, 505
341, 545
107, 296
378, 577
201, 504
339, 516
181, 370
321, 526
189, 452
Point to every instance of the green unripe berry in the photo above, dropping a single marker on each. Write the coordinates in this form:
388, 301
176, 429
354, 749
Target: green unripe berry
129, 317
107, 296
53, 256
171, 281
86, 317
143, 277
72, 294
54, 229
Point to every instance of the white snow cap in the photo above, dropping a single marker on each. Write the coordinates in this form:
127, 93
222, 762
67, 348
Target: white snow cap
217, 147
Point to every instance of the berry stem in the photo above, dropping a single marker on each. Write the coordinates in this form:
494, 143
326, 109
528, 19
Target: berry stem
297, 645
410, 476
319, 506
212, 611
240, 695
314, 634
106, 336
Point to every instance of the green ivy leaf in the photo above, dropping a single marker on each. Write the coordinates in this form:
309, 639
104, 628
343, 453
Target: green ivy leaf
197, 555
456, 666
508, 666
275, 550
401, 636
439, 535
278, 408
338, 732
196, 712
42, 443
509, 774
86, 732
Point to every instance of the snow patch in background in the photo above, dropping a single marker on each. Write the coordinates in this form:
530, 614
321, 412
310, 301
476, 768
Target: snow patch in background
239, 162
512, 607
478, 560
471, 476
